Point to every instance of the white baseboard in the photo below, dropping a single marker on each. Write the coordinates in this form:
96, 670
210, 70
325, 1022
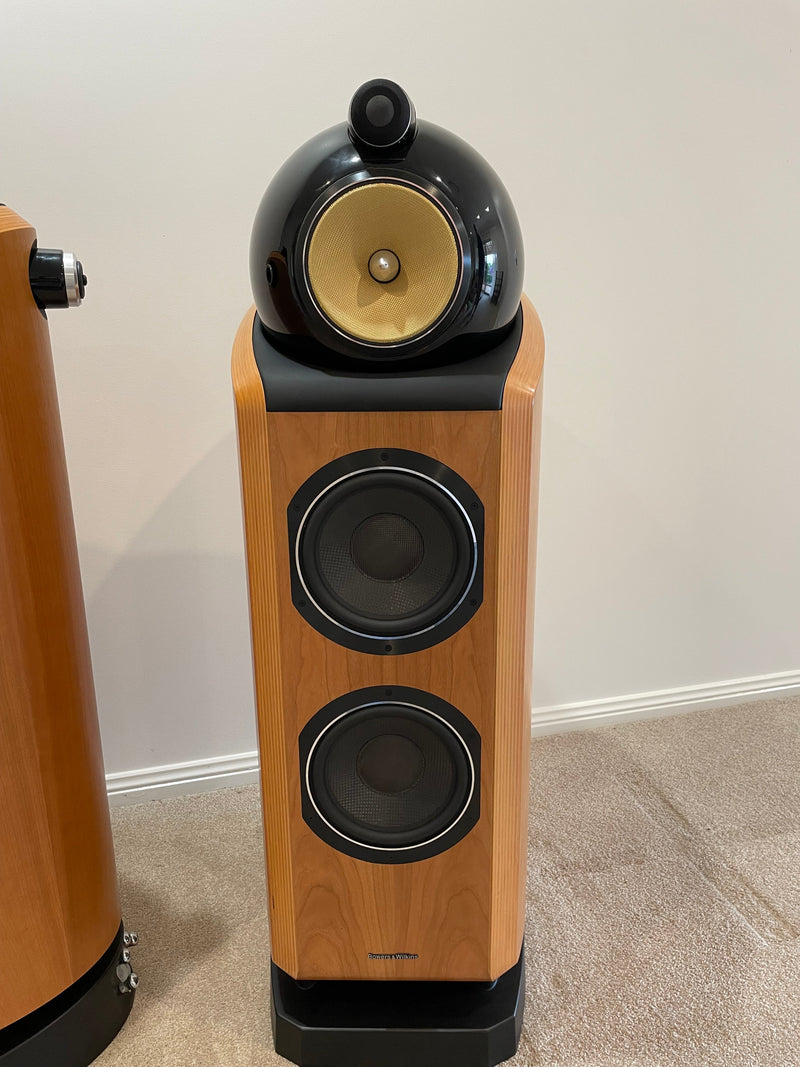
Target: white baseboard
662, 702
179, 779
202, 776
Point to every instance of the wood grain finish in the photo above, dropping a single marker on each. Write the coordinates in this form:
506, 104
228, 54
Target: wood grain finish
273, 724
516, 570
458, 911
59, 909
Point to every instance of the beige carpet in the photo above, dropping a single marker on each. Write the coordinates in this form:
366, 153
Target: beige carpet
663, 905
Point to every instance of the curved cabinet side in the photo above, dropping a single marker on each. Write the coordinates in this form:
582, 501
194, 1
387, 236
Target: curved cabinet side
251, 418
520, 437
59, 906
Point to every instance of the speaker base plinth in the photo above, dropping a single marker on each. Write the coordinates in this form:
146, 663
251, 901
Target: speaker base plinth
72, 1029
398, 1024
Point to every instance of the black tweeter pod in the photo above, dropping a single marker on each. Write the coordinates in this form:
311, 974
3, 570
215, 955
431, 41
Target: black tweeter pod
382, 117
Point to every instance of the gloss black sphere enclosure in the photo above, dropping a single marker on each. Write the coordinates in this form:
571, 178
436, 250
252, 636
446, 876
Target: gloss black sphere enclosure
445, 273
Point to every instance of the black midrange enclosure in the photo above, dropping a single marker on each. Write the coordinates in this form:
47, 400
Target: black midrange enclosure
390, 774
431, 160
386, 550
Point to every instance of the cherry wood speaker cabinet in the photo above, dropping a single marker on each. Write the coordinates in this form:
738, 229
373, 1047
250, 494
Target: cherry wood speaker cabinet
61, 938
388, 397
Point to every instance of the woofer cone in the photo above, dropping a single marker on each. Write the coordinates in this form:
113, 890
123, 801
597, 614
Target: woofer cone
390, 776
386, 552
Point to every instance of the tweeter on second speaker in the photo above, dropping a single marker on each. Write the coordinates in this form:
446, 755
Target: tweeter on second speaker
387, 551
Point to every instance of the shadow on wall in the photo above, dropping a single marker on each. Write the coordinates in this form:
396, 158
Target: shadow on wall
169, 627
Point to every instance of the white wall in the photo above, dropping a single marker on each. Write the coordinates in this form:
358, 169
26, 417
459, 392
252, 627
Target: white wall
654, 156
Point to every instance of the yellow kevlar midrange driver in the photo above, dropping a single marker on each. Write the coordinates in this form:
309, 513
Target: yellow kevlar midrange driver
383, 262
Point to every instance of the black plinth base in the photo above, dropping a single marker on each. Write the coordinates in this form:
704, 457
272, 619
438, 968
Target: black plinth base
398, 1024
72, 1029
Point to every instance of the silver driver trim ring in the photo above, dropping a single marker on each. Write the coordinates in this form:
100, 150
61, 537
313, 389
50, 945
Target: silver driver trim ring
391, 848
71, 279
395, 637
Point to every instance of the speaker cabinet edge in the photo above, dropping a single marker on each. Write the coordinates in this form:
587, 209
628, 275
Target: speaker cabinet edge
520, 439
251, 414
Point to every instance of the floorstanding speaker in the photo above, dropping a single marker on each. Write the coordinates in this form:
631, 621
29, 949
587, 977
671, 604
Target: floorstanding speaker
66, 983
387, 389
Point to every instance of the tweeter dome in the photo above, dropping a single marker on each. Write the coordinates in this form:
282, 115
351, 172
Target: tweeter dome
387, 390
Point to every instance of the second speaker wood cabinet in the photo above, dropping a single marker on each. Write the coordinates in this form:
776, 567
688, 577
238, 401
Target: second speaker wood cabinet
457, 914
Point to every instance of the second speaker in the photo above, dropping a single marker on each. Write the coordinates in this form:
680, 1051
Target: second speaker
387, 396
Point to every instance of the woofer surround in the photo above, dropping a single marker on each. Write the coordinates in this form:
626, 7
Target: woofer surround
387, 551
390, 774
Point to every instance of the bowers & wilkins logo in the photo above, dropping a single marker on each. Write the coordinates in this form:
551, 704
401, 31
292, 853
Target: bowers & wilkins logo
393, 956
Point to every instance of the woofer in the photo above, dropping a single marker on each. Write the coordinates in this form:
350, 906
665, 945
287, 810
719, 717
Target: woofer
390, 775
387, 551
